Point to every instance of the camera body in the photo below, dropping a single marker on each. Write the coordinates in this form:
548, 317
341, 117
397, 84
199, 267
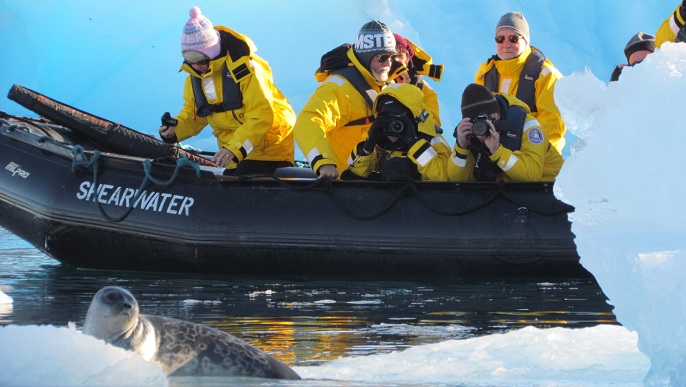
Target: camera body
480, 124
168, 120
396, 126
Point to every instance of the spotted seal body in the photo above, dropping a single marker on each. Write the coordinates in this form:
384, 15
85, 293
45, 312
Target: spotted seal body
180, 348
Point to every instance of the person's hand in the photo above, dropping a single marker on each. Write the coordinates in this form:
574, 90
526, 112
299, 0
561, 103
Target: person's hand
374, 135
464, 130
492, 141
399, 73
403, 78
327, 172
168, 134
223, 157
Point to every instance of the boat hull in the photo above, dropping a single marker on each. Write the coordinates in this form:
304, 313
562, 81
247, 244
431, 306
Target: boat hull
265, 226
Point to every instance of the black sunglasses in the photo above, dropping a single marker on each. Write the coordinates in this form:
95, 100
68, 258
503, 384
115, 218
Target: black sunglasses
203, 62
383, 58
512, 38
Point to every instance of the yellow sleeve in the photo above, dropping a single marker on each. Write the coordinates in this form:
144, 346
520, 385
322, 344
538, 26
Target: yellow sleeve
189, 124
320, 115
548, 114
669, 28
431, 102
431, 159
461, 165
323, 129
525, 164
258, 112
362, 165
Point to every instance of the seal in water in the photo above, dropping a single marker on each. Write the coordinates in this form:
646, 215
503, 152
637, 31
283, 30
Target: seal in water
180, 348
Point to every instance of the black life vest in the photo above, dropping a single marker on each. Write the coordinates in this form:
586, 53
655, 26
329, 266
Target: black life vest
526, 91
232, 97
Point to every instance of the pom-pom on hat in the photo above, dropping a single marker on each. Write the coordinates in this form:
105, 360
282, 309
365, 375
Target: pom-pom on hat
639, 42
476, 99
373, 38
515, 21
199, 35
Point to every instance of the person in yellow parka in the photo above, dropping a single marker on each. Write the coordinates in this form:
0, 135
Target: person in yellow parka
523, 71
416, 64
498, 139
670, 28
339, 113
232, 89
402, 143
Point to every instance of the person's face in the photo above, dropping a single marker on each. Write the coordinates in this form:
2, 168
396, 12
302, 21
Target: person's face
509, 44
638, 56
403, 56
380, 66
197, 61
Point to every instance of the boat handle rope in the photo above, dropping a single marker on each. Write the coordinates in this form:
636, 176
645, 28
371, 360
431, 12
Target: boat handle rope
499, 192
384, 210
469, 210
329, 187
11, 127
78, 151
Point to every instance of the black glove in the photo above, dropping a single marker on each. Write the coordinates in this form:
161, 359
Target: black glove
682, 10
374, 135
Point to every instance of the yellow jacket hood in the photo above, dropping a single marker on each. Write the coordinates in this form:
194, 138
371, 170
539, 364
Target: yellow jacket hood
413, 98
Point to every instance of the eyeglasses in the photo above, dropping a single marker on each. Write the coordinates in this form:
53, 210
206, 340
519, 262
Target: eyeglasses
202, 62
384, 57
512, 38
195, 58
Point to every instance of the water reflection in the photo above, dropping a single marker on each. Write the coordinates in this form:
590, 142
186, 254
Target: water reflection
306, 321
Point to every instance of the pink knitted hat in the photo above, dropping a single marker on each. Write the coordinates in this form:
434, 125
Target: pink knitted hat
199, 35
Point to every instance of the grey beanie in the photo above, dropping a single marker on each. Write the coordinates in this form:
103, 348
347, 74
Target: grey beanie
517, 22
373, 38
639, 42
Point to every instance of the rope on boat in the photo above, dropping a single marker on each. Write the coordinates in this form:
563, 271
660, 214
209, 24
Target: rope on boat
522, 212
500, 192
180, 163
11, 126
391, 203
81, 161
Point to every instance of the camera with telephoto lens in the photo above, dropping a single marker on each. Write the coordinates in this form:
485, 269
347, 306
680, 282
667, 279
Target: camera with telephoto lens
480, 124
395, 126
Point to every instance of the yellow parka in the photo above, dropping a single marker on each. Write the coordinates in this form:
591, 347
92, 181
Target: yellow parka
323, 130
423, 65
536, 160
548, 114
430, 154
669, 28
262, 129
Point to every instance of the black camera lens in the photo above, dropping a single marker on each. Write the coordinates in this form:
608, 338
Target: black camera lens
396, 126
480, 124
480, 128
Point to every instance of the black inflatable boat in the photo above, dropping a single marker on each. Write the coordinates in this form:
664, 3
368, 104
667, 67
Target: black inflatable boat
69, 188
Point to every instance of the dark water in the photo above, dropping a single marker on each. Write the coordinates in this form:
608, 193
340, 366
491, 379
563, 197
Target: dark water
305, 321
